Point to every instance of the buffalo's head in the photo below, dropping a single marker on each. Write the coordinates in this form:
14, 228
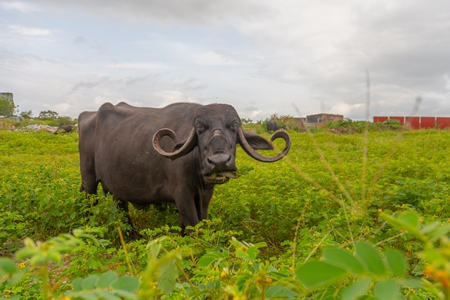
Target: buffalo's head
216, 131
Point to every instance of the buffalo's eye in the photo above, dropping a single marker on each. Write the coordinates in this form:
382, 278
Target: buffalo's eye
200, 127
233, 125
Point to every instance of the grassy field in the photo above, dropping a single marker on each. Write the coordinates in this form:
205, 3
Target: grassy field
265, 229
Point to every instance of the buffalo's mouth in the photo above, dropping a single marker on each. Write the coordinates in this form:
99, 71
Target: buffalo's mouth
219, 177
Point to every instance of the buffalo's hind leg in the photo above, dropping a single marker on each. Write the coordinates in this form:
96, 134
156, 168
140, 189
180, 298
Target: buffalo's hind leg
89, 182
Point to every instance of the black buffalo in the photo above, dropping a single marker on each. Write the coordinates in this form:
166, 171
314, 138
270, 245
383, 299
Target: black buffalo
65, 129
272, 125
136, 155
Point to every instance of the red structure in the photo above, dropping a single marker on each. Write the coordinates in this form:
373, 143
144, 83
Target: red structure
417, 122
413, 122
400, 119
427, 122
380, 119
443, 122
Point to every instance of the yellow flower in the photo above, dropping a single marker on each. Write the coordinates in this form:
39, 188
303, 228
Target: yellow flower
22, 265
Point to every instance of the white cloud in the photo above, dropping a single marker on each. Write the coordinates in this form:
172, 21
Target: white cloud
167, 97
23, 7
212, 58
31, 31
101, 99
348, 109
62, 108
138, 65
168, 12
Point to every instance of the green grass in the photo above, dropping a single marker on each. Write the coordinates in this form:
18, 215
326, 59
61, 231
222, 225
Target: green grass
324, 193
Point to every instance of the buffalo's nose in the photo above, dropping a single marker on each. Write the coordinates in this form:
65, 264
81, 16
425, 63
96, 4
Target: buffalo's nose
220, 161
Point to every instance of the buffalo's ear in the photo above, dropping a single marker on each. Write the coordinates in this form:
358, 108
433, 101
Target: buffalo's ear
257, 142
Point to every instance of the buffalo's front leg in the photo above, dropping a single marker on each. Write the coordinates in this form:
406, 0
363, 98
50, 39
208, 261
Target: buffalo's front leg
187, 210
123, 205
193, 208
205, 198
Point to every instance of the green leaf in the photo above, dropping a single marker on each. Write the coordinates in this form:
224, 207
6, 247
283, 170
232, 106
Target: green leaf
241, 281
82, 294
355, 290
126, 283
125, 294
397, 262
252, 252
38, 258
415, 297
88, 283
167, 277
344, 259
330, 293
89, 296
370, 257
154, 247
26, 253
54, 255
278, 291
209, 258
77, 284
107, 279
106, 295
431, 288
440, 232
427, 228
386, 289
410, 218
411, 283
8, 265
314, 274
404, 224
434, 254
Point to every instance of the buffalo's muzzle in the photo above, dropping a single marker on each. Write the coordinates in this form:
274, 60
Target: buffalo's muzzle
220, 168
221, 162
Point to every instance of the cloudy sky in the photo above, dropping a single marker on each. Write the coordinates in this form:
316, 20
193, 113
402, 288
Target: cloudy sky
261, 56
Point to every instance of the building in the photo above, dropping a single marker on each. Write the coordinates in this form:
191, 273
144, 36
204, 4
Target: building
8, 96
300, 122
7, 110
321, 119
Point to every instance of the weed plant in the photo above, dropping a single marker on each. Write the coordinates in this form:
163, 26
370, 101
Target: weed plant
334, 198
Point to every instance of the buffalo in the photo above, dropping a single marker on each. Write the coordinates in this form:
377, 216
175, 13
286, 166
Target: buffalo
65, 129
272, 125
136, 155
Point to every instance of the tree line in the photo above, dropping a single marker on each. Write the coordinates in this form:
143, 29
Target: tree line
8, 109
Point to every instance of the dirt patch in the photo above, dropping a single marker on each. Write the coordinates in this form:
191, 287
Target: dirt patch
38, 127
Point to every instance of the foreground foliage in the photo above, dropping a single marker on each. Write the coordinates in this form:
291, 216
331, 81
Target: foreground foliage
311, 225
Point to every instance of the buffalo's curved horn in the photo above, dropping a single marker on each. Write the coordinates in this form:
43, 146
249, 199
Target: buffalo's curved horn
252, 152
187, 147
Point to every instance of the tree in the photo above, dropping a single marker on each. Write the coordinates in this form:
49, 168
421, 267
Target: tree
246, 121
26, 114
7, 107
48, 114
